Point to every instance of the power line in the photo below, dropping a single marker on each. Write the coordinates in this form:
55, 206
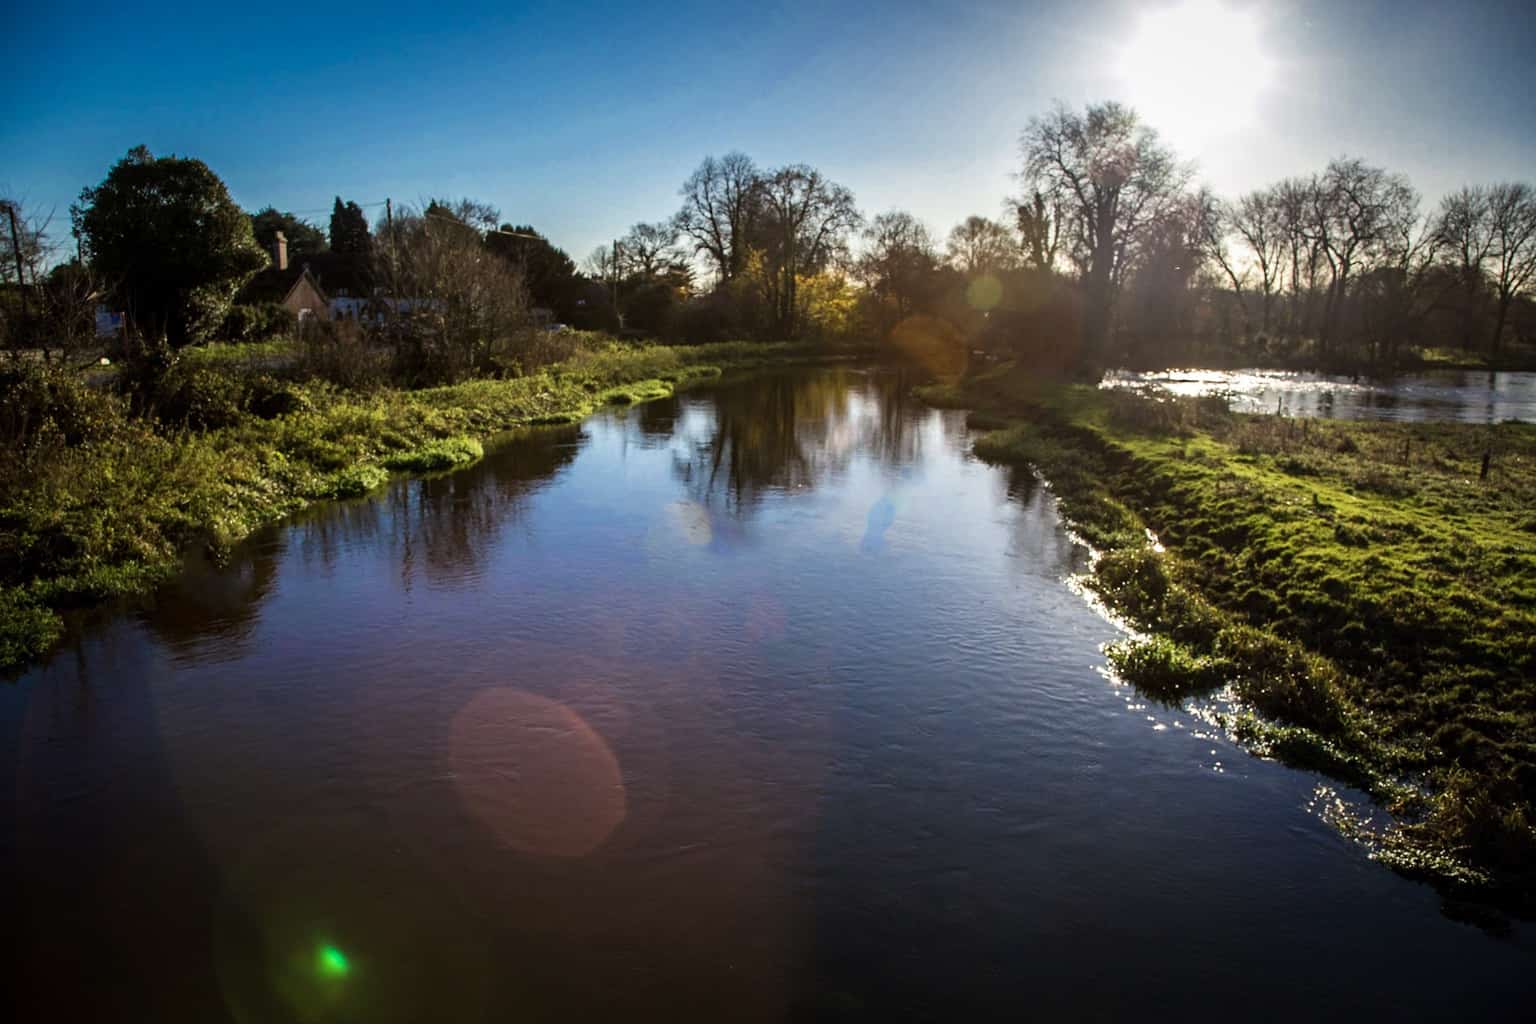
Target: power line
489, 231
328, 209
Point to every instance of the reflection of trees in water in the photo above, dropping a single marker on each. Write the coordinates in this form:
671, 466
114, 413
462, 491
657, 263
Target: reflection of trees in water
657, 420
1023, 484
1038, 543
441, 527
213, 602
789, 431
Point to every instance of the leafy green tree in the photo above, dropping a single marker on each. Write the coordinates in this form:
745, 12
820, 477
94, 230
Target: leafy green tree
177, 247
349, 229
304, 239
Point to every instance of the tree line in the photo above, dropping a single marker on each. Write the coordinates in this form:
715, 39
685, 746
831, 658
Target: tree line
1109, 253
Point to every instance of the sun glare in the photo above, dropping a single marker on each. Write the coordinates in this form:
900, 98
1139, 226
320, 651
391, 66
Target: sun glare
1196, 70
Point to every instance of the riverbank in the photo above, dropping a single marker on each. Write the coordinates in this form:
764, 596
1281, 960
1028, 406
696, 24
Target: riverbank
101, 504
1360, 594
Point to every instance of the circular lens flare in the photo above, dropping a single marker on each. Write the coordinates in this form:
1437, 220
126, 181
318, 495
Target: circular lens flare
331, 962
536, 773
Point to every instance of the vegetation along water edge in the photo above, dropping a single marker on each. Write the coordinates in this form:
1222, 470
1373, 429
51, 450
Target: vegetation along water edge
1362, 595
100, 502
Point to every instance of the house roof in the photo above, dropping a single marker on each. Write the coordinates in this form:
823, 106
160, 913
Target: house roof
331, 272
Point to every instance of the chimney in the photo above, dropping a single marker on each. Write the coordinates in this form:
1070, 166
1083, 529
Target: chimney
280, 251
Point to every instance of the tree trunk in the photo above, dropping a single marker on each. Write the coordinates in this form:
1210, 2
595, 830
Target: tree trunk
1498, 326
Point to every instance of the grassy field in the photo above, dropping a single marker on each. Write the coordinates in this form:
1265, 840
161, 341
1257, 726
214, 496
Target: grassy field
99, 503
1364, 596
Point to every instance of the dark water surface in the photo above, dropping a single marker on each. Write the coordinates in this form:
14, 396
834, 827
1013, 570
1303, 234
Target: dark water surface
765, 703
1465, 396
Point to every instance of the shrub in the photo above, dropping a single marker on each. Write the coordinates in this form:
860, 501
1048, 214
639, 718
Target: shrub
354, 482
340, 351
1283, 681
200, 398
39, 401
444, 454
257, 322
1485, 814
270, 398
1164, 670
26, 628
1133, 580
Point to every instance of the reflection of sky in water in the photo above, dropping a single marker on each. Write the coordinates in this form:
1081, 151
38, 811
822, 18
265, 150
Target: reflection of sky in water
1467, 396
762, 702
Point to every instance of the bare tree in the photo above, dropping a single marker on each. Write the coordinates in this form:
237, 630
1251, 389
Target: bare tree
806, 221
1112, 176
1354, 209
1293, 206
1396, 296
979, 245
1257, 221
1464, 227
1208, 224
720, 208
1512, 216
24, 252
899, 258
69, 297
1039, 222
605, 264
650, 250
25, 242
451, 306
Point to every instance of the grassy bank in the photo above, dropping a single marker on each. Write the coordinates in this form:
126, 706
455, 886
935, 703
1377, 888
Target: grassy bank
98, 503
1364, 597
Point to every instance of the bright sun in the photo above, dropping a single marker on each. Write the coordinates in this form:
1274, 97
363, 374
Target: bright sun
1196, 70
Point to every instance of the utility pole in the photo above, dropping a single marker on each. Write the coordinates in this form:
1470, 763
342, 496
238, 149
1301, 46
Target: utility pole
389, 229
614, 260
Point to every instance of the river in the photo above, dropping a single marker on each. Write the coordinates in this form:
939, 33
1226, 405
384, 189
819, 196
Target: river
1466, 396
768, 702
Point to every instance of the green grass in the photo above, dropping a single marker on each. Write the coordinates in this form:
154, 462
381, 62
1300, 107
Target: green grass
110, 516
1356, 587
448, 453
230, 354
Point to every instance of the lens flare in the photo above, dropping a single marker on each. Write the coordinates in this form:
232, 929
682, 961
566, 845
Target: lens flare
331, 962
535, 772
984, 293
929, 341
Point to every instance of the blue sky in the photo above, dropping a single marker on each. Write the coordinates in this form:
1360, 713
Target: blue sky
582, 119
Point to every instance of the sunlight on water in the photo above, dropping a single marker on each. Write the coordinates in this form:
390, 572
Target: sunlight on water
1457, 395
714, 702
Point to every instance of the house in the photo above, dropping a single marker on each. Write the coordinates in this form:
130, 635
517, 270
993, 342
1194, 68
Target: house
324, 286
108, 323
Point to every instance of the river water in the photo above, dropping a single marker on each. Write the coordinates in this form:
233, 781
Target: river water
1466, 396
764, 703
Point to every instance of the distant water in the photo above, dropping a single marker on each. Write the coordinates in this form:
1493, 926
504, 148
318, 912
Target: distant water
1456, 395
764, 703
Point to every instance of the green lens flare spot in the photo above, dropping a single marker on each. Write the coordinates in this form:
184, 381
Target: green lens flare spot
332, 962
984, 293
